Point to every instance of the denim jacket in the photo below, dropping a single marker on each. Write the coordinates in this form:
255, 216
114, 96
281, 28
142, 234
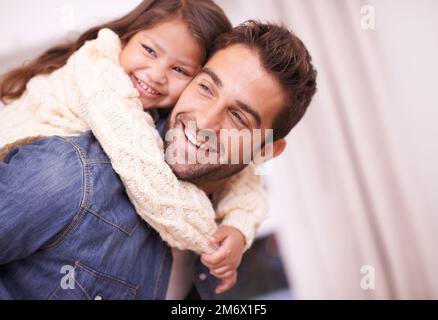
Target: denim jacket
69, 231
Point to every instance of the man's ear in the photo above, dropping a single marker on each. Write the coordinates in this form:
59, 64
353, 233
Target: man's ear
279, 147
270, 151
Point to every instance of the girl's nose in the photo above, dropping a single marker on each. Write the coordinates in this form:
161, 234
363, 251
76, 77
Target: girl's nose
157, 74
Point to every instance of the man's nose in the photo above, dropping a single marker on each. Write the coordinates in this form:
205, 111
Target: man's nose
209, 118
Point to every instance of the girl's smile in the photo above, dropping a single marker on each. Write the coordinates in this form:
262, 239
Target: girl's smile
146, 91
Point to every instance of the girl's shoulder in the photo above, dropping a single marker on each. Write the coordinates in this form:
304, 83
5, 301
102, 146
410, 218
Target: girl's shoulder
108, 41
106, 45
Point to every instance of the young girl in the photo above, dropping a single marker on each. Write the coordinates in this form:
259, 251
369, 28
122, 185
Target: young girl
104, 82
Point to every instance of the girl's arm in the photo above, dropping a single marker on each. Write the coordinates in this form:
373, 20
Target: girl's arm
242, 203
179, 211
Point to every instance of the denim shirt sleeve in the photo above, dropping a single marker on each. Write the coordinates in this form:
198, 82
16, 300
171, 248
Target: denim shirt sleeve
41, 188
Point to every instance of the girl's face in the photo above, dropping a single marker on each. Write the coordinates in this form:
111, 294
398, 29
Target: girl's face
161, 62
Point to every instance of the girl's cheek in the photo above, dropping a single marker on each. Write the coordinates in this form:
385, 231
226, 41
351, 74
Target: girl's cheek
176, 90
184, 85
130, 60
124, 59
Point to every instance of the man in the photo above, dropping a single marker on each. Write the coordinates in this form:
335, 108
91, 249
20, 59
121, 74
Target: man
67, 228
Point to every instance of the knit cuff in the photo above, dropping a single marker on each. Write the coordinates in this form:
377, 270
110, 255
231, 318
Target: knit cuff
243, 221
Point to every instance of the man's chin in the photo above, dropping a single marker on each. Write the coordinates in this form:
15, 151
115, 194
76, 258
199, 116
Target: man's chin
202, 173
190, 172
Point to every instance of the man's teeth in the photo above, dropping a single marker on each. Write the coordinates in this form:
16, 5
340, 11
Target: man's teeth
193, 141
191, 138
144, 86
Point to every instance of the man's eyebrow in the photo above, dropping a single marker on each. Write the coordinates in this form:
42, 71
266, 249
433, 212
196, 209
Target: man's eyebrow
239, 103
251, 111
213, 76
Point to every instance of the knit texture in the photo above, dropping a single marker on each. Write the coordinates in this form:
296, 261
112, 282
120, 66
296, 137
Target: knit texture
92, 92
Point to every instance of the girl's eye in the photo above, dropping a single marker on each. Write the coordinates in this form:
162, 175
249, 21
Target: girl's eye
182, 71
149, 50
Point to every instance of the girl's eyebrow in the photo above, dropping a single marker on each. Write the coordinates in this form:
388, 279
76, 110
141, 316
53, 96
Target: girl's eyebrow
159, 48
155, 44
187, 63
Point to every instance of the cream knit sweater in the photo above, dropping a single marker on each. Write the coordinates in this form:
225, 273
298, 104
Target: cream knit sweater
92, 92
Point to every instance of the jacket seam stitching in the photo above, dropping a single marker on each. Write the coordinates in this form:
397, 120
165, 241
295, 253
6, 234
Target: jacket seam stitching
80, 213
97, 215
160, 271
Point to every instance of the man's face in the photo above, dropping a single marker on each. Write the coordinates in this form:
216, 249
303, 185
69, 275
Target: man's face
233, 91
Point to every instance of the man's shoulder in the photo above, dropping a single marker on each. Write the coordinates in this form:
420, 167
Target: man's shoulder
83, 148
39, 150
87, 147
49, 170
56, 161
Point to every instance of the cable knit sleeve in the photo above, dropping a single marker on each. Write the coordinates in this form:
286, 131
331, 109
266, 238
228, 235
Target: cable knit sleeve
178, 210
242, 203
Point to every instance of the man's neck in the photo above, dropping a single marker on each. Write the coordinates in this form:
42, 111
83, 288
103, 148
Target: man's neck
209, 187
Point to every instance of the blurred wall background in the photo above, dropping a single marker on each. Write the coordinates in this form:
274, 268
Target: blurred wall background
353, 198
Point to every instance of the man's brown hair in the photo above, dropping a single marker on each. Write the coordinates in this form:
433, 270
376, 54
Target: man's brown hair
284, 56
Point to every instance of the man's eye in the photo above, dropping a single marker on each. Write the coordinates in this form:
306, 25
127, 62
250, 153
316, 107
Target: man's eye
238, 117
204, 88
149, 50
182, 71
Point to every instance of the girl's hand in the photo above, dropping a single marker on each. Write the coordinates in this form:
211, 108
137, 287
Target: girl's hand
227, 282
226, 259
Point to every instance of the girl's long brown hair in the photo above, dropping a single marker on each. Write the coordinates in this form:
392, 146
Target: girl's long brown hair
205, 19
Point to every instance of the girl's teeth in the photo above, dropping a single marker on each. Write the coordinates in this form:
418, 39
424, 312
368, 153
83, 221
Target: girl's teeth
144, 86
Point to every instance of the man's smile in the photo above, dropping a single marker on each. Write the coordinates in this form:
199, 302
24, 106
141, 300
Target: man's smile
189, 145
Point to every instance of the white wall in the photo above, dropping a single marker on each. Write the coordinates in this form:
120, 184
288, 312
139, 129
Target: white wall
28, 27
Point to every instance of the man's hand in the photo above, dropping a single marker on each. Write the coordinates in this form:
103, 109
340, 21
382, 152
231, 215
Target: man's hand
226, 259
